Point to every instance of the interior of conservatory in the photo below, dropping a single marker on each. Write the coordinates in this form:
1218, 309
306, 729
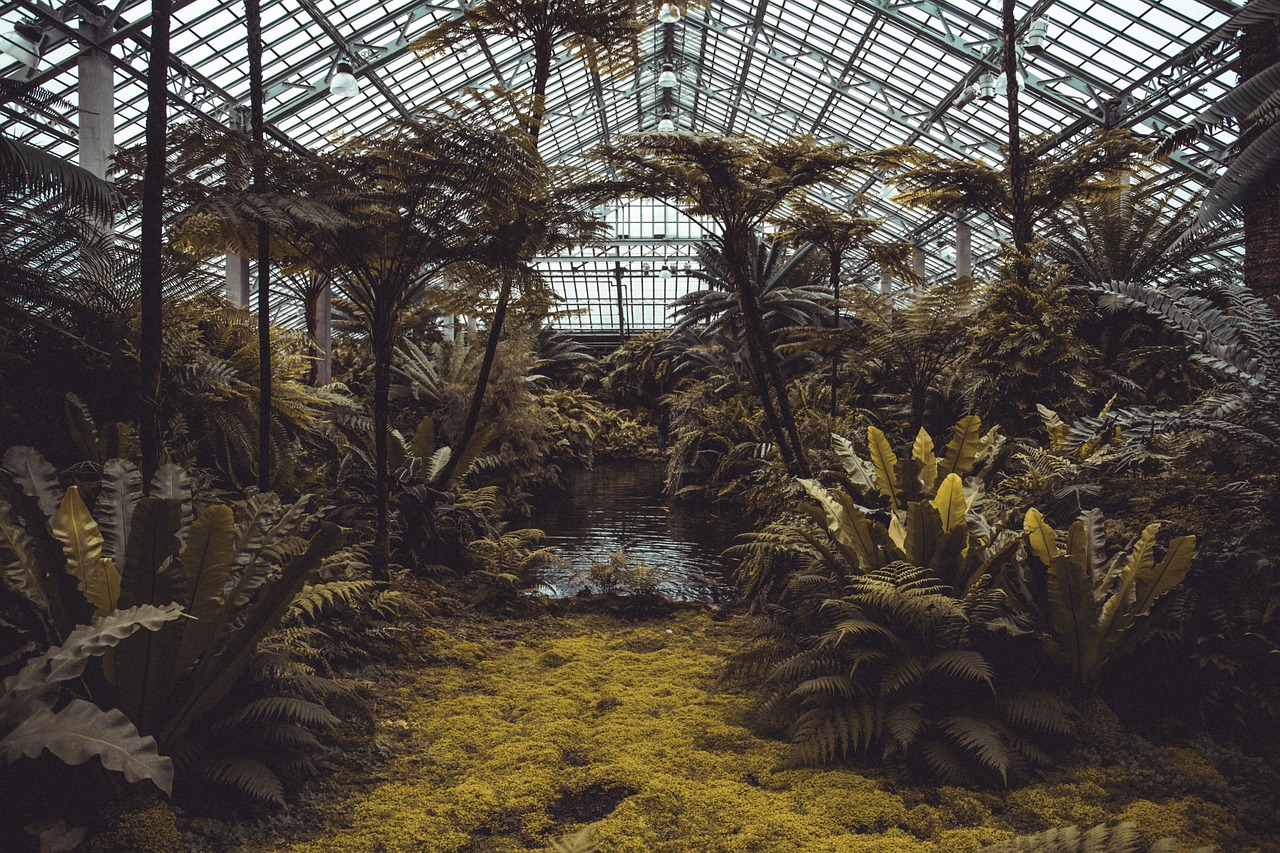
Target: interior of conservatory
620, 426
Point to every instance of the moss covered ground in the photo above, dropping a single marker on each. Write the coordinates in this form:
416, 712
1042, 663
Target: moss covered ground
509, 734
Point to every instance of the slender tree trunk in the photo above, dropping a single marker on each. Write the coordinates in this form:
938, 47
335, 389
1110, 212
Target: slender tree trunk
1018, 211
542, 51
1259, 50
761, 351
311, 315
383, 329
835, 324
482, 383
152, 272
253, 13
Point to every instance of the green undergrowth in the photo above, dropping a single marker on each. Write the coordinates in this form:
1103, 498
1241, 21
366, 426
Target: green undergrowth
512, 734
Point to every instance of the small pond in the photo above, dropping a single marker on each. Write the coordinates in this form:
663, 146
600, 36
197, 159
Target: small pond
618, 506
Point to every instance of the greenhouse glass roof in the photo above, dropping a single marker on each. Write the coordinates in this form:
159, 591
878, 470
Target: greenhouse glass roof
874, 73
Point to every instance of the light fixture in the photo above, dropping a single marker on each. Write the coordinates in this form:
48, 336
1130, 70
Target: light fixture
966, 97
669, 13
665, 272
666, 125
1036, 36
22, 43
343, 83
987, 86
667, 79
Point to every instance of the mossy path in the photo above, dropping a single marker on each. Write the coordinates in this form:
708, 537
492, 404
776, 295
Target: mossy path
516, 733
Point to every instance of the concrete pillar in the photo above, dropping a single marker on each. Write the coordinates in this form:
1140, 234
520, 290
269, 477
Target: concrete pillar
964, 250
886, 280
324, 334
237, 280
96, 93
917, 261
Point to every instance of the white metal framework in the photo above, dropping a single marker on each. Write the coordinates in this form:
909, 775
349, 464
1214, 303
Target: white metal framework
874, 73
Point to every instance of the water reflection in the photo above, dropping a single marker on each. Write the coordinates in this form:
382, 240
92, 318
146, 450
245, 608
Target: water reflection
619, 505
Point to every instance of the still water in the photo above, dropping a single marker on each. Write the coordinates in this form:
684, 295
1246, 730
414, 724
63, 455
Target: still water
619, 505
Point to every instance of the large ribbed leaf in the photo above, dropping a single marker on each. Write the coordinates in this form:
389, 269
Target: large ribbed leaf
41, 675
37, 478
861, 472
18, 565
1172, 569
924, 529
846, 525
119, 493
138, 665
1073, 615
962, 449
950, 502
82, 731
206, 561
1117, 615
922, 452
172, 482
95, 575
886, 465
215, 674
1042, 538
1053, 425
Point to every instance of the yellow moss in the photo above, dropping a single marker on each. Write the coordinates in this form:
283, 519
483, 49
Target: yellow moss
1044, 806
503, 747
1190, 765
151, 830
1189, 819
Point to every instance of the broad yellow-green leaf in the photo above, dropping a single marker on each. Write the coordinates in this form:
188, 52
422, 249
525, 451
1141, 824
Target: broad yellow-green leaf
18, 565
1152, 584
898, 534
1117, 614
962, 449
924, 529
119, 493
950, 502
206, 562
922, 452
1043, 539
1073, 616
845, 524
886, 465
95, 575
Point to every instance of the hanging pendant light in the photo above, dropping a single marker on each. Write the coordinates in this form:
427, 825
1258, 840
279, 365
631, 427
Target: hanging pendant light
987, 86
343, 84
666, 125
665, 272
667, 79
669, 14
1037, 35
22, 43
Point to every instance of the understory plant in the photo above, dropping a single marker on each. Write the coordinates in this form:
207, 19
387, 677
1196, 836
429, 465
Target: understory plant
234, 569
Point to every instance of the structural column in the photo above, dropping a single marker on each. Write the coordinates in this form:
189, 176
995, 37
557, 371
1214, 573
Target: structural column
964, 250
917, 261
238, 266
324, 334
886, 280
96, 93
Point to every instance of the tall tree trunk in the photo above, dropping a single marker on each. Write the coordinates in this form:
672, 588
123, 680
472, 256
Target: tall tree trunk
253, 13
383, 344
482, 382
1259, 50
152, 271
835, 325
777, 409
311, 316
543, 48
1018, 211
